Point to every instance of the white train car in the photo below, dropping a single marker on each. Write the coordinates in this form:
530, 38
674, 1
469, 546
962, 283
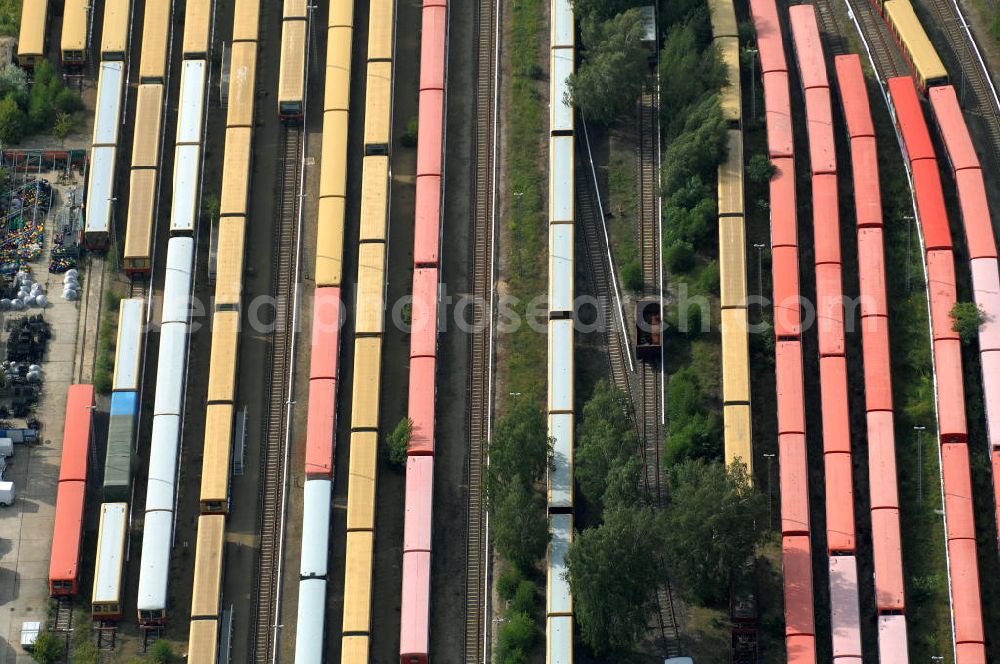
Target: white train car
316, 537
106, 600
100, 195
562, 218
309, 627
128, 349
168, 401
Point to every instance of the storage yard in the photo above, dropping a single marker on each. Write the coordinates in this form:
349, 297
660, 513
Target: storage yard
262, 419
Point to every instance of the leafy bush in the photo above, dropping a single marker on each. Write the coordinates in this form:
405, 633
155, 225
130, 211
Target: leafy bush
966, 319
67, 101
632, 275
48, 648
409, 137
161, 652
508, 583
517, 636
679, 257
760, 168
14, 83
524, 598
10, 17
13, 123
397, 443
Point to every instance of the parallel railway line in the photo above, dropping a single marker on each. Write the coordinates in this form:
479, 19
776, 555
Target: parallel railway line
276, 423
650, 415
481, 360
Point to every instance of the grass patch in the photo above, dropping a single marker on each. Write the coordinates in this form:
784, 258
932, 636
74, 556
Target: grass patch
624, 200
10, 17
526, 177
106, 340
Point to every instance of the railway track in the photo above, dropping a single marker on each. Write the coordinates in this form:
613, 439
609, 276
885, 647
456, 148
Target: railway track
91, 305
651, 377
888, 60
975, 90
481, 360
274, 433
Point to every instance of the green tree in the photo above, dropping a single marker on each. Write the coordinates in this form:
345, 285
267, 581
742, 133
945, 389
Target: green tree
614, 68
966, 319
602, 10
518, 450
518, 635
67, 101
713, 522
397, 443
679, 257
606, 440
63, 126
614, 571
12, 122
14, 83
519, 527
409, 137
699, 147
632, 275
694, 70
760, 168
48, 648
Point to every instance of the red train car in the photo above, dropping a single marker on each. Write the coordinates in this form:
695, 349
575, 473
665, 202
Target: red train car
833, 395
871, 269
875, 349
784, 224
770, 44
839, 503
854, 97
414, 635
794, 483
321, 422
788, 375
958, 491
829, 310
887, 555
68, 531
910, 119
882, 460
325, 344
826, 218
787, 304
808, 47
951, 124
796, 561
778, 114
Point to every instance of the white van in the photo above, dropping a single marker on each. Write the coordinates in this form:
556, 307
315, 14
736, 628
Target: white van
6, 494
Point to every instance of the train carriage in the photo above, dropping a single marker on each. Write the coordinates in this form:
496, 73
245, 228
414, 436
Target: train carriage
32, 36
124, 413
128, 349
217, 459
100, 197
154, 55
106, 600
208, 566
246, 21
110, 82
197, 29
191, 113
75, 33
141, 224
115, 34
229, 272
917, 48
378, 108
225, 349
291, 73
187, 180
148, 126
236, 170
242, 86
203, 642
